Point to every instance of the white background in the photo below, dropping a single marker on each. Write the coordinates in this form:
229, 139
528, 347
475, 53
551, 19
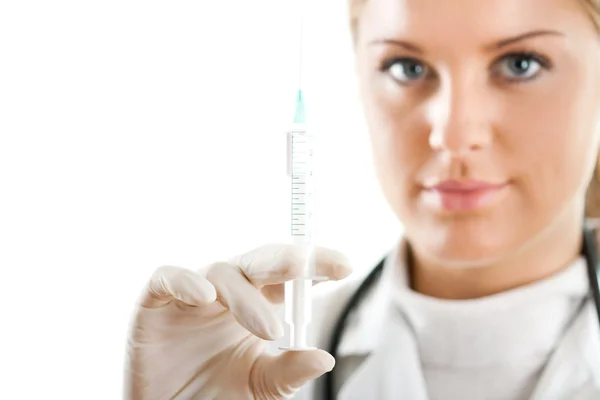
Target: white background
137, 134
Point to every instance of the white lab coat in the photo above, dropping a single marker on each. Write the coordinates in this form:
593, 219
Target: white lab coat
389, 366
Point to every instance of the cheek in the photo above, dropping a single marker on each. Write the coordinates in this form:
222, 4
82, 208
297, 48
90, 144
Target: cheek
400, 148
551, 144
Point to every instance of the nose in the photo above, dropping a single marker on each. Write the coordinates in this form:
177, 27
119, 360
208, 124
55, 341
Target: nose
459, 118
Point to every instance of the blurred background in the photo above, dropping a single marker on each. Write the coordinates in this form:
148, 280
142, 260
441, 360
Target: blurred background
135, 134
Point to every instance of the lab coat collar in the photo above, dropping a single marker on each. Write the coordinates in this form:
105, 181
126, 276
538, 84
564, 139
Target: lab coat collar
573, 372
384, 338
364, 327
392, 370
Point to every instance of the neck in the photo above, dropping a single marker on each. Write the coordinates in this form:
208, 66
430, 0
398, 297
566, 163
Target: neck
553, 251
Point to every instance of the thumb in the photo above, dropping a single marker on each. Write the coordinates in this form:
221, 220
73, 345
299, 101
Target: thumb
286, 373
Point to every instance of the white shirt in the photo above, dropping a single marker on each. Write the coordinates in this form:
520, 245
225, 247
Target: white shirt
492, 348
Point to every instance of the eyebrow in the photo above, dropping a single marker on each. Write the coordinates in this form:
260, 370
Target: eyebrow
527, 35
400, 43
494, 46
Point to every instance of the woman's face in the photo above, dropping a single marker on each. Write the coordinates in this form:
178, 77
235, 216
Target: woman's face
483, 118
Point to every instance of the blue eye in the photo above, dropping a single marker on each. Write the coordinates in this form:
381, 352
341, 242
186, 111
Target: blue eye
406, 70
520, 66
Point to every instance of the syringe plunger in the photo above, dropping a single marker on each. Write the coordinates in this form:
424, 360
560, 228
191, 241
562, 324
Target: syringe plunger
298, 303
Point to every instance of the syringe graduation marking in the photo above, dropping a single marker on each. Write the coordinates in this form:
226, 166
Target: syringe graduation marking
301, 171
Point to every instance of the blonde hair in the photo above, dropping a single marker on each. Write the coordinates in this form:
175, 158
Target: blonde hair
592, 201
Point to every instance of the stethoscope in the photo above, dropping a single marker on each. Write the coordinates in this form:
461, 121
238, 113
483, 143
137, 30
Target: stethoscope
589, 250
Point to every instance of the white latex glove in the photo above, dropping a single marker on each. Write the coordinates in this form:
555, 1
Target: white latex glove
201, 335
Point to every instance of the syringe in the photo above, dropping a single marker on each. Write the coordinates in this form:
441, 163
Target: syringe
298, 296
300, 148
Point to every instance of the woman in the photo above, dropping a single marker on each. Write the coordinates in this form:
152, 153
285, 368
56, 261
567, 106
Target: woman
484, 120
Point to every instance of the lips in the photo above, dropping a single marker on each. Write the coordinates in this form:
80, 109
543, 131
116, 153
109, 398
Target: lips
463, 196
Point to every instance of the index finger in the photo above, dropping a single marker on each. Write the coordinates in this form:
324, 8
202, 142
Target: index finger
170, 283
278, 263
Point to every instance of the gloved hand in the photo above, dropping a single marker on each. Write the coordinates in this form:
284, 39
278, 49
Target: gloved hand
201, 335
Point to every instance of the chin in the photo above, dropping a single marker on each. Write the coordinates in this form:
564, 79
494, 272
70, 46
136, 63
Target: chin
467, 243
473, 256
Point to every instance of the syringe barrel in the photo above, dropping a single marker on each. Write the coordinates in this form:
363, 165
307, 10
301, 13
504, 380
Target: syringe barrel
301, 171
298, 292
